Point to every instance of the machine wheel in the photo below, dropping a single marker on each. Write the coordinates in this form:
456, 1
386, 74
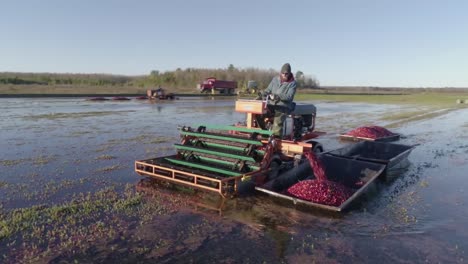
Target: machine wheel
317, 148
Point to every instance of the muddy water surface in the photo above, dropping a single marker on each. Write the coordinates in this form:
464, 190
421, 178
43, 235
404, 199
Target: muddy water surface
69, 191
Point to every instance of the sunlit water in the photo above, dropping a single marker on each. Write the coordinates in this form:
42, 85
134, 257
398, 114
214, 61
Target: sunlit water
419, 216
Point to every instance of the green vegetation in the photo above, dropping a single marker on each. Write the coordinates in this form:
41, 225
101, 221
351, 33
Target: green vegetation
109, 168
405, 117
54, 116
437, 100
75, 226
105, 157
64, 79
11, 162
177, 81
404, 114
185, 81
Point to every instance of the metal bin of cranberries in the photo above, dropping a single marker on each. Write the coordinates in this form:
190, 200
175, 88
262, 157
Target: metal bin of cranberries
355, 176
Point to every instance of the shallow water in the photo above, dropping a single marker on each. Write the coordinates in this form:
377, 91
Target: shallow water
52, 149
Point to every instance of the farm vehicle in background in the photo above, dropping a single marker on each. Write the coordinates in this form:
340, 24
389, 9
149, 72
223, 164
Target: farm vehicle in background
251, 87
159, 93
211, 85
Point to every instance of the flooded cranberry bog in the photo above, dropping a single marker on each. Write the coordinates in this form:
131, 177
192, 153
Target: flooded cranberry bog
69, 192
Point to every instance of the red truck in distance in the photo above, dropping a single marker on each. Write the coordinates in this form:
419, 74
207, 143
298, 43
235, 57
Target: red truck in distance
211, 85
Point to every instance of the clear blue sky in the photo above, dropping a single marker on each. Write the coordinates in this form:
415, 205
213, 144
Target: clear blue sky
349, 42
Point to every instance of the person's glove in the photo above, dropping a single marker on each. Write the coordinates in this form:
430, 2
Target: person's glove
274, 97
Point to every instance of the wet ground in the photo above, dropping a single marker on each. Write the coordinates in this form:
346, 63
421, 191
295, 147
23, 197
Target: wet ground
69, 192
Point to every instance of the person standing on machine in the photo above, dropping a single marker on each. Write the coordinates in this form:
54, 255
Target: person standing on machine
280, 92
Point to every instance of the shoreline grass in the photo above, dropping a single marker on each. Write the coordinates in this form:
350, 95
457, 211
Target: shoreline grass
434, 100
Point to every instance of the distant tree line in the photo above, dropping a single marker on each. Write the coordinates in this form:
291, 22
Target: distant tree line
64, 79
180, 78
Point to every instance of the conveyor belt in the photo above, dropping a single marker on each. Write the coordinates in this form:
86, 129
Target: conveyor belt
214, 160
214, 152
222, 137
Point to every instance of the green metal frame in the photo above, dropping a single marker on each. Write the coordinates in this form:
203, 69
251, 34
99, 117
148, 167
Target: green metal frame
225, 162
224, 146
227, 138
240, 129
200, 166
212, 152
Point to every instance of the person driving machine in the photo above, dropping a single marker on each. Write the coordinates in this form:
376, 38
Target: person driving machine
280, 92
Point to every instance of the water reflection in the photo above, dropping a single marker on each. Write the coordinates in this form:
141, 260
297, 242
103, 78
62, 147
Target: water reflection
52, 149
259, 210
